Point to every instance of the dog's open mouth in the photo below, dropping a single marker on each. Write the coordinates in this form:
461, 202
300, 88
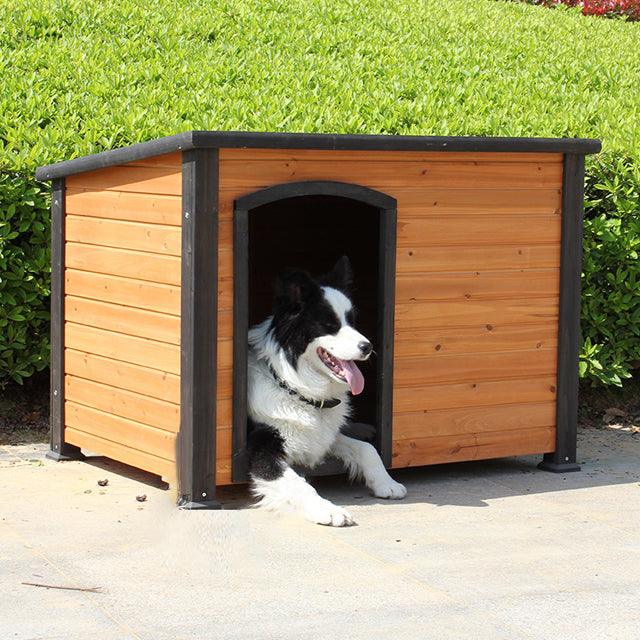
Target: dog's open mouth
344, 370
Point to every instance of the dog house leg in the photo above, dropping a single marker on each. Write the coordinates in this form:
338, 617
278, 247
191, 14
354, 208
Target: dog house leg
196, 454
563, 459
60, 450
64, 452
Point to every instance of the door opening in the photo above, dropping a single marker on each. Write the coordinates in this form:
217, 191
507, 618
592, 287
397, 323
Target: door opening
309, 226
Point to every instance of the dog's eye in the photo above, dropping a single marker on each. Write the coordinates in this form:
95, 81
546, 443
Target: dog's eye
350, 317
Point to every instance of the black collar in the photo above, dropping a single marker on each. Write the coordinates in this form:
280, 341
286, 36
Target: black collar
318, 404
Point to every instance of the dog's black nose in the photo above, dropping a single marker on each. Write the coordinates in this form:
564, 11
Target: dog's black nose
365, 347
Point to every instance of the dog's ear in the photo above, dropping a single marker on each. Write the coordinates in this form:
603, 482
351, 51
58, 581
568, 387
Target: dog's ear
293, 289
341, 276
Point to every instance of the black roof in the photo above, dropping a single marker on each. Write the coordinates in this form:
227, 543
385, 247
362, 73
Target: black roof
326, 141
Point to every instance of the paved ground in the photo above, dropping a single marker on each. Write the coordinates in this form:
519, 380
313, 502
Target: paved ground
486, 550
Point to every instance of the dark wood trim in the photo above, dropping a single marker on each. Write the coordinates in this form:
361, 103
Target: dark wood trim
386, 322
387, 208
321, 141
349, 142
564, 457
113, 157
59, 449
239, 462
196, 445
315, 188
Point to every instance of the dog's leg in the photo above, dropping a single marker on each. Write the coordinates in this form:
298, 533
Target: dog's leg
362, 459
292, 492
280, 488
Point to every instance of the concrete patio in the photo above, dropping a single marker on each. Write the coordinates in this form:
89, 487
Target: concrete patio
478, 550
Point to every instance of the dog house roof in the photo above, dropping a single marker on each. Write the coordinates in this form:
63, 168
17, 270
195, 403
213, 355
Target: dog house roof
333, 142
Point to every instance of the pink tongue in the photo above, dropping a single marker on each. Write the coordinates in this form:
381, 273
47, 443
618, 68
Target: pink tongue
353, 375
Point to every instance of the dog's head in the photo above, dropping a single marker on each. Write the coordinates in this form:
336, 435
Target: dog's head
313, 323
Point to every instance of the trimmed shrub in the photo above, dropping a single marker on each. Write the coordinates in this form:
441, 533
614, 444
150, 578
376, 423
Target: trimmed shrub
24, 277
611, 270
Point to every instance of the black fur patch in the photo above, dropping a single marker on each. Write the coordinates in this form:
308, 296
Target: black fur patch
340, 277
350, 317
301, 314
265, 449
359, 431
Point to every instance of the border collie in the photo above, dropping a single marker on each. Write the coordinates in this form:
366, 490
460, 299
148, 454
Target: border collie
301, 372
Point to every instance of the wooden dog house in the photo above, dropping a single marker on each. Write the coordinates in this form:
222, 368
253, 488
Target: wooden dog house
466, 253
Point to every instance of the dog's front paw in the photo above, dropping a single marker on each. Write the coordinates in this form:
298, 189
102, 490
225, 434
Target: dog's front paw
389, 488
324, 512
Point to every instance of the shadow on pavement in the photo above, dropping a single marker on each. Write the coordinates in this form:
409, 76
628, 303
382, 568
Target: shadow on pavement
607, 458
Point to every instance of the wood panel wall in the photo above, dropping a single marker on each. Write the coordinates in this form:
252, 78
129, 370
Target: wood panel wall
477, 291
122, 312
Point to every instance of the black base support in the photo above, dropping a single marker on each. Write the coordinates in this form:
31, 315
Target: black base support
67, 452
199, 506
559, 467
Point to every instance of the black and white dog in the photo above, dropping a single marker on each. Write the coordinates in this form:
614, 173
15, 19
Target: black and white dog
301, 373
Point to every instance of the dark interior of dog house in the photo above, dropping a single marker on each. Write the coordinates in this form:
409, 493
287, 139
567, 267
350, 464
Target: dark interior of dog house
312, 232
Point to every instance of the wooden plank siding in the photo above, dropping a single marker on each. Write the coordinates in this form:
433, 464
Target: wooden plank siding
122, 329
476, 310
478, 259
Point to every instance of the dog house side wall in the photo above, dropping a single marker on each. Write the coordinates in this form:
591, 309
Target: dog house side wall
477, 292
122, 281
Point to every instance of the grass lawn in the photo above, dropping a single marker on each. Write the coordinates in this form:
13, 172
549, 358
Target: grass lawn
79, 76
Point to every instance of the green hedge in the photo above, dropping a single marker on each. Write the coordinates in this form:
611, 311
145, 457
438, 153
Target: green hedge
24, 277
81, 76
611, 270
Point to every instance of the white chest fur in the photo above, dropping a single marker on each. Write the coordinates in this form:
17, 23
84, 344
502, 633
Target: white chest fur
308, 432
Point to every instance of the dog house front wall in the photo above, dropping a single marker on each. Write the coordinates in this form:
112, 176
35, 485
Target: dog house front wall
477, 290
475, 316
